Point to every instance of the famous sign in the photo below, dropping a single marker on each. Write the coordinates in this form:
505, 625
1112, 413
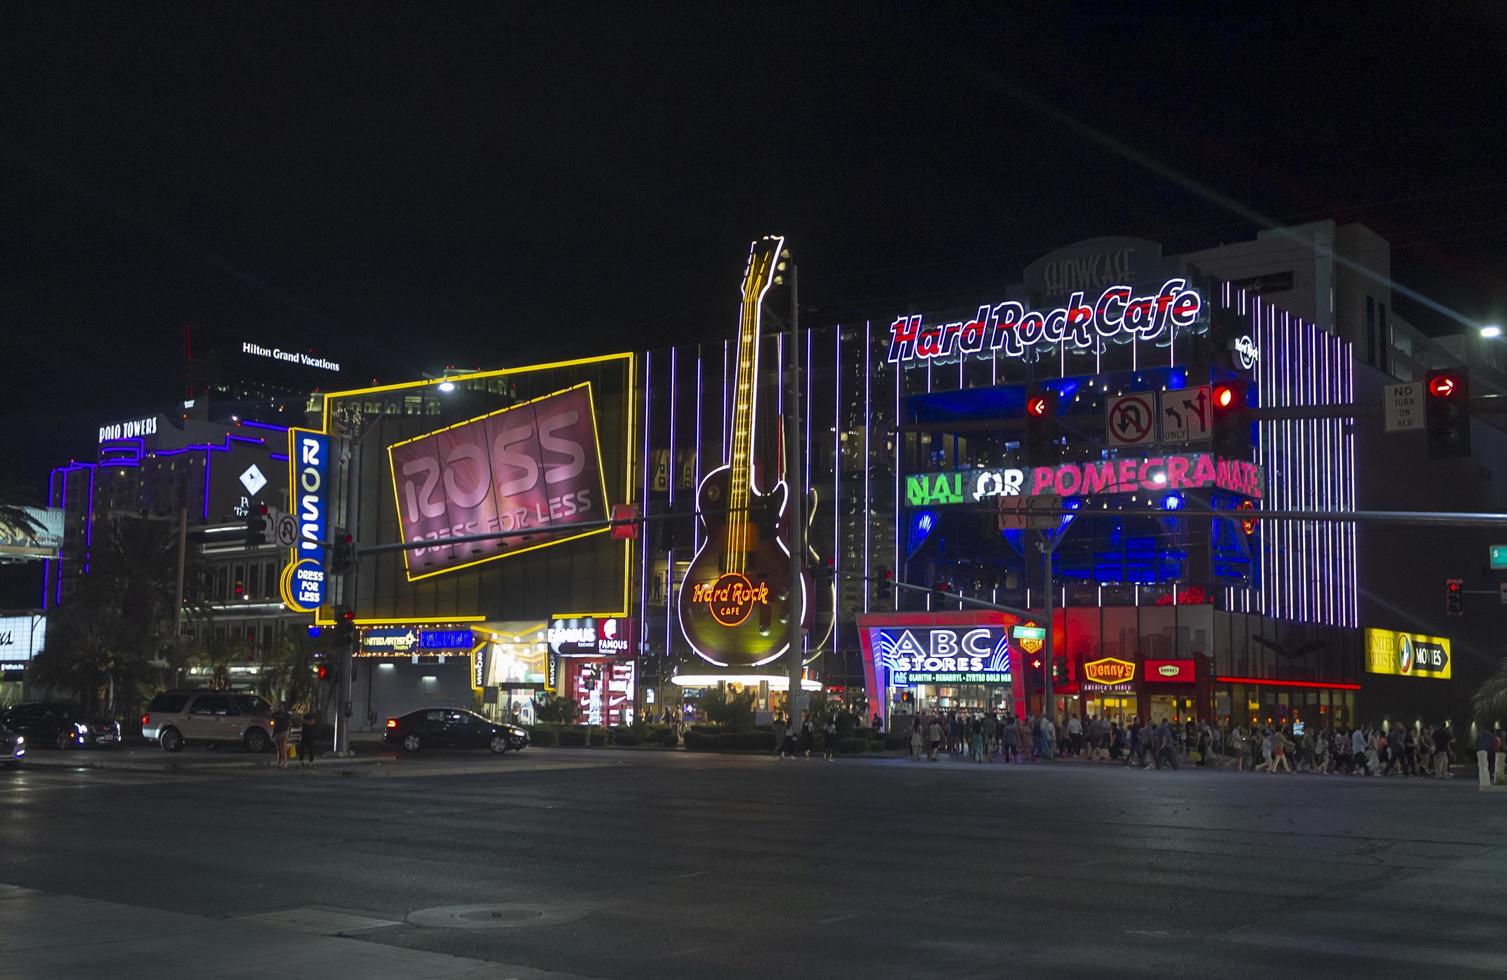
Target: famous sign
1179, 471
591, 636
1008, 329
530, 467
943, 654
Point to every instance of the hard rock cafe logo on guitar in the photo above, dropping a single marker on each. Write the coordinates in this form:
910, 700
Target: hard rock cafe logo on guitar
731, 598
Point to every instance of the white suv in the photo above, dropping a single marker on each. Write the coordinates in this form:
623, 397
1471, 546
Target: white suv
175, 718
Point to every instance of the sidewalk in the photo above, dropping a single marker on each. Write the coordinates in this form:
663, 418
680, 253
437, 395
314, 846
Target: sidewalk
148, 758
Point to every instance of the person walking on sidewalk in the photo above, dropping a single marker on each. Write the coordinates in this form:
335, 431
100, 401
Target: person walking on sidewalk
308, 739
933, 739
1279, 752
1442, 740
281, 721
829, 739
917, 740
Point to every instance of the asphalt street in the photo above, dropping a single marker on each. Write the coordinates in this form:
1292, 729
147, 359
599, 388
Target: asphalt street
623, 863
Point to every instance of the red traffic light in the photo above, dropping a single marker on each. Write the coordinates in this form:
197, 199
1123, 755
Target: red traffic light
322, 672
1037, 406
1442, 386
1224, 396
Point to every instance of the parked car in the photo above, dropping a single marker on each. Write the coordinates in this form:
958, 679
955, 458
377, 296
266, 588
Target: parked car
12, 748
452, 728
177, 718
60, 724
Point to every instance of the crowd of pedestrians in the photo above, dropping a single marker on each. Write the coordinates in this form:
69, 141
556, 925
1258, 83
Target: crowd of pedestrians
1398, 750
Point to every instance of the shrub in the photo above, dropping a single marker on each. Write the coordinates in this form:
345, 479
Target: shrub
572, 737
733, 714
892, 742
547, 737
556, 708
597, 738
852, 746
748, 742
626, 736
664, 736
699, 742
876, 745
868, 733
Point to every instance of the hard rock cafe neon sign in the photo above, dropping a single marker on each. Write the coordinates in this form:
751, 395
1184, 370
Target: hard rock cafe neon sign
1011, 330
731, 598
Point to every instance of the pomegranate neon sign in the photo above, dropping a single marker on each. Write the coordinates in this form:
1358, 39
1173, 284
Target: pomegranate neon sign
1117, 315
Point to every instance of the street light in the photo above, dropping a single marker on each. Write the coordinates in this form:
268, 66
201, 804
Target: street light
1491, 331
447, 386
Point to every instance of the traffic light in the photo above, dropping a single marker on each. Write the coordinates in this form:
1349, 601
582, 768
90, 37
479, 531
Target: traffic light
1453, 606
345, 628
324, 672
1446, 412
1042, 427
343, 554
257, 527
1230, 420
886, 589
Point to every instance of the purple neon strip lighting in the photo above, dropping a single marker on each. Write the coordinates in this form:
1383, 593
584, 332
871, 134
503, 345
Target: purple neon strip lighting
696, 481
280, 457
837, 432
643, 592
264, 425
674, 477
89, 525
868, 416
899, 374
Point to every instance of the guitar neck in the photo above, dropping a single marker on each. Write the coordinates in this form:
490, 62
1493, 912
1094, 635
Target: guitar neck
757, 278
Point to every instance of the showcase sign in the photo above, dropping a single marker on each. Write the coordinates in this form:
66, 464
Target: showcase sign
529, 467
1407, 654
1118, 315
943, 654
1177, 471
21, 638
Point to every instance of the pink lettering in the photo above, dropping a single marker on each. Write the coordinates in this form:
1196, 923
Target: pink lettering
1126, 475
1069, 478
1098, 477
1177, 472
1041, 480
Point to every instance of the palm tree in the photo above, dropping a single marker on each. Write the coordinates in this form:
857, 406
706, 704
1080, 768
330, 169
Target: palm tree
1490, 702
288, 670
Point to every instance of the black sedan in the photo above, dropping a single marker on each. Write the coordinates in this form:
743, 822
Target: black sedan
452, 728
12, 748
60, 724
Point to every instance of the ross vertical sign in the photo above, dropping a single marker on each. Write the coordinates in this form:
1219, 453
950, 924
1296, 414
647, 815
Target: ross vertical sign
303, 584
1404, 407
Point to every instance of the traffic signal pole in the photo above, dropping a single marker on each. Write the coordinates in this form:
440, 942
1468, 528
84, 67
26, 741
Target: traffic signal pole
345, 653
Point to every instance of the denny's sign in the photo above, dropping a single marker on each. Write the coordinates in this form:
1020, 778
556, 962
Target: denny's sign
1109, 671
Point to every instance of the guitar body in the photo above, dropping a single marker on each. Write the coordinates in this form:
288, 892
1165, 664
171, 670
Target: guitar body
737, 596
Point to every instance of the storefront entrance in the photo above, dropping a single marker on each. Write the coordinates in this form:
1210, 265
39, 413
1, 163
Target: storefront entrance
1118, 708
1172, 707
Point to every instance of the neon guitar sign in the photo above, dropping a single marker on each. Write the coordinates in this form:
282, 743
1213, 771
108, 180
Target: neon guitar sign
738, 595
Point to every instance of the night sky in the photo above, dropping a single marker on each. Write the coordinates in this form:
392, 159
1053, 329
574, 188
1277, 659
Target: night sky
491, 184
